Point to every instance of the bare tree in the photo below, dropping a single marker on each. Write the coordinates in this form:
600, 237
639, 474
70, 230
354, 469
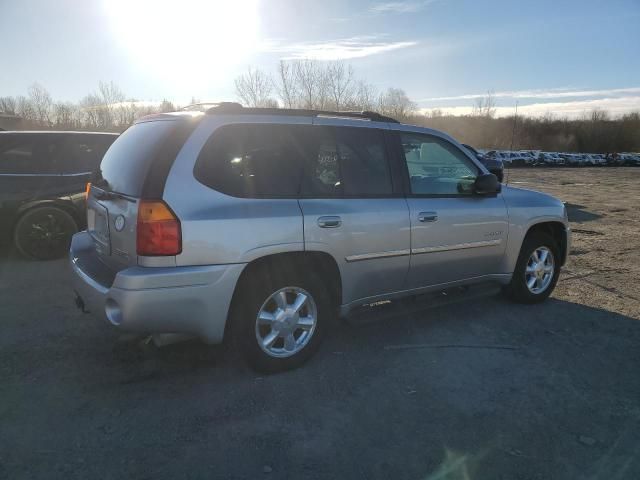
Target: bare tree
286, 85
311, 79
42, 104
254, 88
485, 106
166, 106
65, 115
25, 109
395, 103
8, 105
340, 85
365, 97
111, 97
90, 106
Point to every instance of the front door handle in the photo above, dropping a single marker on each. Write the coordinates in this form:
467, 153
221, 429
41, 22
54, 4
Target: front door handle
427, 216
330, 221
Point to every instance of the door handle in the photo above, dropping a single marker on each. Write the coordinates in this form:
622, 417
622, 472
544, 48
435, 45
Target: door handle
427, 216
329, 221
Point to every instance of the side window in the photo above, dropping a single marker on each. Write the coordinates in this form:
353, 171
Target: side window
437, 167
246, 160
346, 162
16, 155
84, 153
30, 155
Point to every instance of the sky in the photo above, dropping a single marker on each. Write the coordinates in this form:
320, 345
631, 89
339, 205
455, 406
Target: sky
564, 57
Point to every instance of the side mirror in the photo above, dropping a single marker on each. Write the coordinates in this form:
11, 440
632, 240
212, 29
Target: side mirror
487, 184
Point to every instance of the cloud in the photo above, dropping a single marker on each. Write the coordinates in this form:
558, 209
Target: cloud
400, 7
341, 49
616, 106
553, 93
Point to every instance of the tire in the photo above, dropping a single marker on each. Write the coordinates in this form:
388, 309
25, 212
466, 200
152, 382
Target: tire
543, 281
44, 233
257, 296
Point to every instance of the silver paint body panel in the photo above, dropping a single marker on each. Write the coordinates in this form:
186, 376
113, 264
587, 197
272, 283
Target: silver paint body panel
382, 249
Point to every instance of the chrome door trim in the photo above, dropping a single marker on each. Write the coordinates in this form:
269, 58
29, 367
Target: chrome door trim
457, 246
371, 256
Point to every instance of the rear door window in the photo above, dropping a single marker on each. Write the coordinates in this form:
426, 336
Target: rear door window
347, 162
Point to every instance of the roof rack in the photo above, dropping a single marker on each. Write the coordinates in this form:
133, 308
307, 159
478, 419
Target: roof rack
236, 108
204, 106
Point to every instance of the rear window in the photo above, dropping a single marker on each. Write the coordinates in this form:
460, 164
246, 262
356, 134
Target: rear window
125, 166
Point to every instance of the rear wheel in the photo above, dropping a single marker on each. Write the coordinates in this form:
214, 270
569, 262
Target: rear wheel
279, 319
44, 233
537, 269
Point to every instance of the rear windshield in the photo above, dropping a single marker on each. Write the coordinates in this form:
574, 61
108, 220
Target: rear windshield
126, 164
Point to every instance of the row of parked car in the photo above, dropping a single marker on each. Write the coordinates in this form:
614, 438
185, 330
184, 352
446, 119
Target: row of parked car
536, 158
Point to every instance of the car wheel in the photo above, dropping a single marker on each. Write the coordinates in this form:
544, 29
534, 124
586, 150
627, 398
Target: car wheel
44, 233
280, 320
537, 269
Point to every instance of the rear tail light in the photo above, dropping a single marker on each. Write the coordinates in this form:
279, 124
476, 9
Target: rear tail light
158, 229
87, 190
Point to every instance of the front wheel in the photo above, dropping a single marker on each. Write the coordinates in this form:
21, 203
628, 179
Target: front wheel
280, 320
537, 269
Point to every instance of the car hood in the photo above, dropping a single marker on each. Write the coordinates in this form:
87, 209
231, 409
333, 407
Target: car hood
522, 197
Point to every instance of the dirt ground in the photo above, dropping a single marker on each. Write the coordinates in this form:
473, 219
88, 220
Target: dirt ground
503, 391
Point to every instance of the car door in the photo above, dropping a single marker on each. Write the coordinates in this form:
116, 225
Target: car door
455, 233
80, 156
25, 171
354, 211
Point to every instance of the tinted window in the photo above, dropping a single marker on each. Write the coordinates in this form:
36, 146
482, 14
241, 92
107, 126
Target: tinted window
363, 162
126, 164
31, 154
85, 152
254, 160
436, 167
250, 160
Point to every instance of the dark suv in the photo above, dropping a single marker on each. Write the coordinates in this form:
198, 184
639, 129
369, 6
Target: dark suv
42, 181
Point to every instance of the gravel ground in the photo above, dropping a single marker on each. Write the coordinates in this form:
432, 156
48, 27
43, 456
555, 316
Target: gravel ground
560, 398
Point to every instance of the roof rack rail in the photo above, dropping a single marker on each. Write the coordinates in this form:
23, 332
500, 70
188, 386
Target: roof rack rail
236, 108
206, 106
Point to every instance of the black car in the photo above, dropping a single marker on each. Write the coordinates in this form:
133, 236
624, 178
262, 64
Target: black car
43, 176
494, 165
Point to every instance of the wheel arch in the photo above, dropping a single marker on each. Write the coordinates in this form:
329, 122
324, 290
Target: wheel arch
321, 262
66, 206
557, 231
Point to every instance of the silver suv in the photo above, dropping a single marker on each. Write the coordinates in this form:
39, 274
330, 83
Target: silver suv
263, 225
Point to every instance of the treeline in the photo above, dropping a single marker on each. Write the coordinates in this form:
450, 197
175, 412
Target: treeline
312, 84
315, 85
105, 109
596, 132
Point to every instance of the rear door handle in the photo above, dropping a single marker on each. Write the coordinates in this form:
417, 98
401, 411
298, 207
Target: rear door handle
329, 221
427, 216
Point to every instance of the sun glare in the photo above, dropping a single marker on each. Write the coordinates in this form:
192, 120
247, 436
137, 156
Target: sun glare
186, 42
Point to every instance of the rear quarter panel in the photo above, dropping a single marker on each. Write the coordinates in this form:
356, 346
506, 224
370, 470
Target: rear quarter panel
221, 229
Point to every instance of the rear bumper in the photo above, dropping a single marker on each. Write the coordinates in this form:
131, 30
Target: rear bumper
186, 300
